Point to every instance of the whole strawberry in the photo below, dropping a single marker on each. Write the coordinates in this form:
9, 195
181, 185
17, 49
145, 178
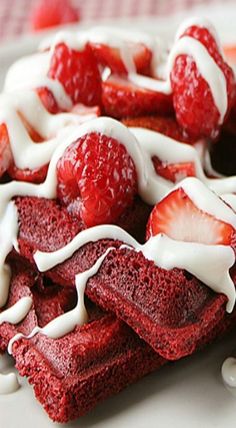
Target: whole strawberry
96, 179
193, 100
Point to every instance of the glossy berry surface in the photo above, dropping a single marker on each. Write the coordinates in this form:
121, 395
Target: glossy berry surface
194, 105
96, 179
78, 72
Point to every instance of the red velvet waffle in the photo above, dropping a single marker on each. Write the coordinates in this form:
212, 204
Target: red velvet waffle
171, 310
96, 175
72, 374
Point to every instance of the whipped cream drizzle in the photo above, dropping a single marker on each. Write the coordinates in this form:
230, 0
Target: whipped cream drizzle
209, 263
16, 313
123, 40
67, 322
51, 127
148, 183
62, 129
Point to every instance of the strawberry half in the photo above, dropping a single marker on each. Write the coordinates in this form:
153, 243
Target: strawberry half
96, 179
179, 218
48, 100
78, 72
111, 57
162, 124
194, 105
121, 98
174, 172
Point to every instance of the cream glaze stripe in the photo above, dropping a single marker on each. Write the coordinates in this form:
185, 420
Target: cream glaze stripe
148, 183
210, 264
170, 151
65, 323
206, 65
185, 45
17, 312
26, 153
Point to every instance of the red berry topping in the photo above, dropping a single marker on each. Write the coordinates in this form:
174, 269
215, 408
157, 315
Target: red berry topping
48, 100
5, 150
96, 179
174, 172
36, 175
164, 125
179, 218
121, 98
52, 13
78, 72
230, 53
195, 108
111, 57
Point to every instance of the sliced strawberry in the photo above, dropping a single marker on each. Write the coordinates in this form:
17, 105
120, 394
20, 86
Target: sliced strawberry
52, 13
193, 101
5, 150
179, 218
78, 72
31, 131
96, 179
121, 98
174, 172
164, 125
36, 175
111, 57
48, 100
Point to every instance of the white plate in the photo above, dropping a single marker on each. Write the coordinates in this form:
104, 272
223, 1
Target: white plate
189, 393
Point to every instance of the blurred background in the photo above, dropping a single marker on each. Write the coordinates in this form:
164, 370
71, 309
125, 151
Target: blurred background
24, 16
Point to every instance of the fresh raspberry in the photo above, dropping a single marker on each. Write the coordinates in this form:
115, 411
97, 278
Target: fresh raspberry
50, 13
78, 72
121, 99
96, 179
179, 218
48, 100
111, 57
164, 125
195, 109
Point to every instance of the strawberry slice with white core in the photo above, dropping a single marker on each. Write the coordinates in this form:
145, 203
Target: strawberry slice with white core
179, 218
